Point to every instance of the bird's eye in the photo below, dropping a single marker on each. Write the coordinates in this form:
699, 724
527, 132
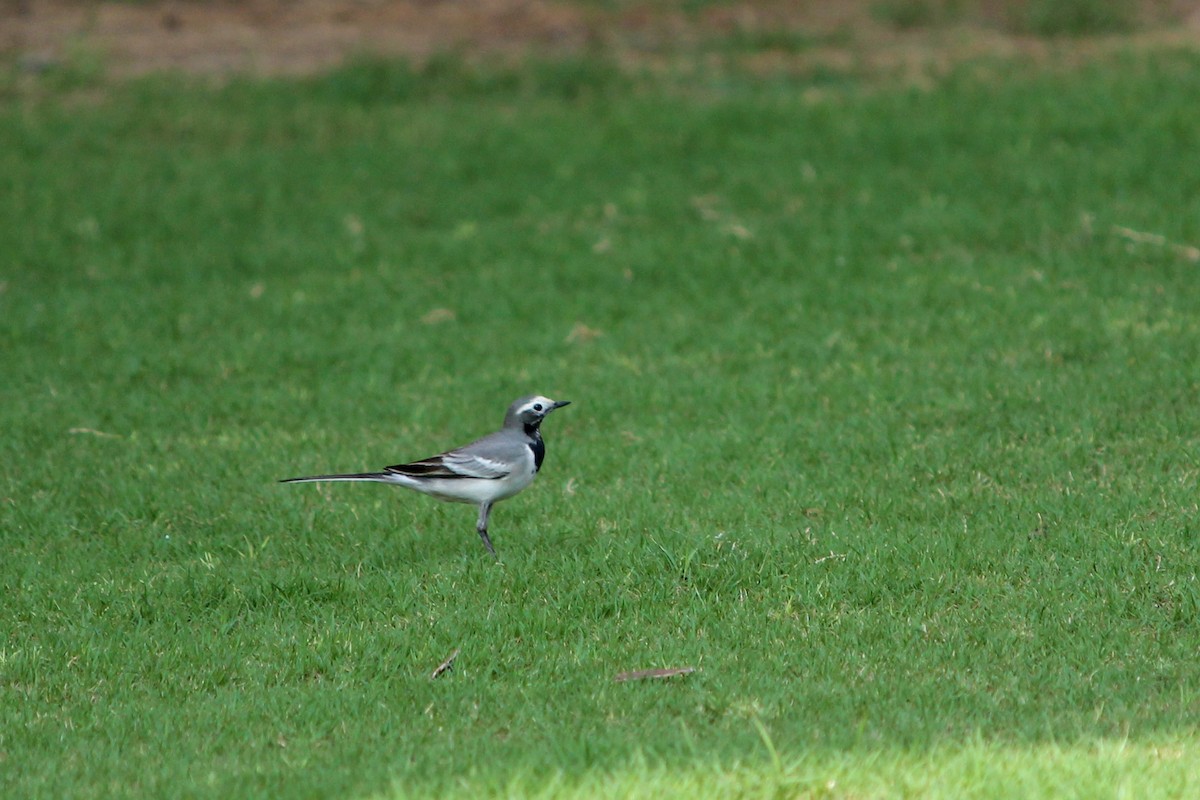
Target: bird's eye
537, 406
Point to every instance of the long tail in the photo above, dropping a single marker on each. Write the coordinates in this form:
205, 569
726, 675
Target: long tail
376, 477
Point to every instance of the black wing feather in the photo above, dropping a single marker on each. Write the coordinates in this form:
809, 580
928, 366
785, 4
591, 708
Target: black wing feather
425, 468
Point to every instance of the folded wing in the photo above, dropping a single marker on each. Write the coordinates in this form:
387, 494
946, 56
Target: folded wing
454, 465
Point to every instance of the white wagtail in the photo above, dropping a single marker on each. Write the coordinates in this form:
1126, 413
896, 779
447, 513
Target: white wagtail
483, 472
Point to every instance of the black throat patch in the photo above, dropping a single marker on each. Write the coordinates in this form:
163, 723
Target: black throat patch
539, 451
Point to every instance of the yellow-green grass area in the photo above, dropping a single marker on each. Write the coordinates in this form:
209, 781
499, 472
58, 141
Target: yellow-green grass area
972, 769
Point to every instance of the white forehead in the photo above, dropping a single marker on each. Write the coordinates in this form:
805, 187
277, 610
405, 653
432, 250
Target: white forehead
537, 400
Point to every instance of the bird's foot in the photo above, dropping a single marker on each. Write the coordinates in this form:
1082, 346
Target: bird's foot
483, 534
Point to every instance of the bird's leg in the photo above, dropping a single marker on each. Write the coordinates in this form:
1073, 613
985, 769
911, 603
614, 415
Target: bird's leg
481, 526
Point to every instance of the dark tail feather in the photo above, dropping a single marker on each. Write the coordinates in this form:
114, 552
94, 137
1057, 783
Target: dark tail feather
378, 477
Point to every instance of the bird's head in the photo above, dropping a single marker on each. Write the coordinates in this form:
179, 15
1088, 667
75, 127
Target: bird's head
528, 412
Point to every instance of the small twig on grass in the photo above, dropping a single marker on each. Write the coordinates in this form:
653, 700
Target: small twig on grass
93, 432
643, 674
1141, 237
446, 665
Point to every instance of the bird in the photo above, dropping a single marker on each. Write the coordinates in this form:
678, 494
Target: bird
484, 472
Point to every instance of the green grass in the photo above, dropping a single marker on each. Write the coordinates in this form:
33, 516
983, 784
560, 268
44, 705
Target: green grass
908, 14
890, 430
1074, 17
1046, 18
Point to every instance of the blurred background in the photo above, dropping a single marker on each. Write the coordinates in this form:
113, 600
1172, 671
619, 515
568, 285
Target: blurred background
301, 36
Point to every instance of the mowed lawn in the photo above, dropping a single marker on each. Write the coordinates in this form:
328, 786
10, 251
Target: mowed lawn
885, 420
